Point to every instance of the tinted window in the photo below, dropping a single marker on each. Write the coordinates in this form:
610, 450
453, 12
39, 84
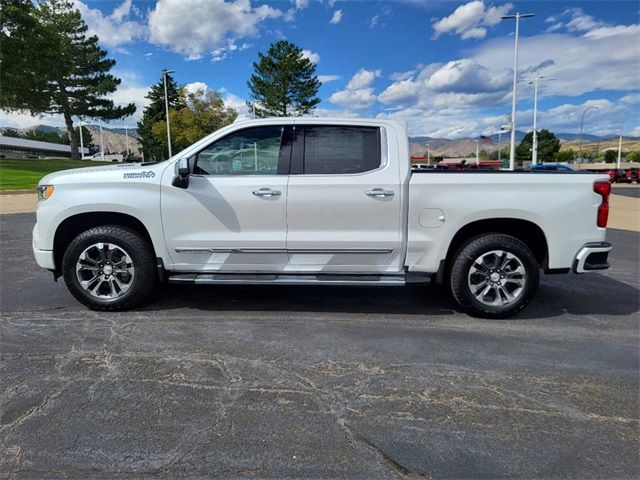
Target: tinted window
341, 150
253, 151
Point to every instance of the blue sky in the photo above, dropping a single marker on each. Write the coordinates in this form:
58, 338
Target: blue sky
444, 67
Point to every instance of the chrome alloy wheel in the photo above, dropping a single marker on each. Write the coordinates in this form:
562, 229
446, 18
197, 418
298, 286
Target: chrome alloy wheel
497, 278
105, 271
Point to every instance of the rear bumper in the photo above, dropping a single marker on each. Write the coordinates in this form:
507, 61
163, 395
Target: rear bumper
592, 256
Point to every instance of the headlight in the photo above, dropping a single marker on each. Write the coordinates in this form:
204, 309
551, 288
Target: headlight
44, 191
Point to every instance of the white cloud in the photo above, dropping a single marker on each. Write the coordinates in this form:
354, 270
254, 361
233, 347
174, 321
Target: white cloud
470, 20
192, 27
468, 76
311, 56
115, 29
580, 21
603, 59
301, 4
337, 17
359, 93
223, 52
328, 78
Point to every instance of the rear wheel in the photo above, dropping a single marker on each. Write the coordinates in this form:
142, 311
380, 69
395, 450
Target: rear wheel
494, 276
109, 268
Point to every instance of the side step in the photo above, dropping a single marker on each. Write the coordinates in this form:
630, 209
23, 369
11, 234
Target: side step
291, 279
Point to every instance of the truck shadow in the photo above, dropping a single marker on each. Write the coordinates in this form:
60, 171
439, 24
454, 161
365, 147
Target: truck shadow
591, 294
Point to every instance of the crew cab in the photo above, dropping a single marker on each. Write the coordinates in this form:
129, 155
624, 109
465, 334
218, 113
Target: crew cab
316, 201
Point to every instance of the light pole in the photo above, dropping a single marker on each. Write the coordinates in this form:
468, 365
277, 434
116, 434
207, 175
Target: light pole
502, 129
581, 126
512, 148
477, 152
619, 150
101, 145
81, 142
534, 155
126, 138
428, 154
166, 72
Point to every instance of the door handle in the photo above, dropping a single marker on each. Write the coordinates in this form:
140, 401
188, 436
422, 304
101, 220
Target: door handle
267, 192
380, 193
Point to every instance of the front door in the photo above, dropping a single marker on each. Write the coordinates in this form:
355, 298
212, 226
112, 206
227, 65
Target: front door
344, 201
232, 216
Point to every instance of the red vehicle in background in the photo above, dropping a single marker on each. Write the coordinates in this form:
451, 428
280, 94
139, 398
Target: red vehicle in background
632, 175
617, 175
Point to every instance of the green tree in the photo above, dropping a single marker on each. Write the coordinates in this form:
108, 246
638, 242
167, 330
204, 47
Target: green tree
80, 82
283, 83
154, 147
610, 156
632, 157
565, 156
50, 136
201, 114
28, 55
548, 146
11, 132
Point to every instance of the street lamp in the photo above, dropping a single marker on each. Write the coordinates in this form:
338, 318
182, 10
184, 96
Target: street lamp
581, 126
428, 154
534, 155
512, 148
166, 72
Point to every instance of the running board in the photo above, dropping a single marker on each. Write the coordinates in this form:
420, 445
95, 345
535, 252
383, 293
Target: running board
294, 279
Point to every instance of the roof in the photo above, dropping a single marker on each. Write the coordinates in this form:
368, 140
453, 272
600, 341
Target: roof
35, 144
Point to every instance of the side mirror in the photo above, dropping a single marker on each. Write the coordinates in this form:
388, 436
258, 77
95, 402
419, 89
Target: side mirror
181, 179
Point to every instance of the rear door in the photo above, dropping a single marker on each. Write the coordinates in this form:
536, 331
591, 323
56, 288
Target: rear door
344, 201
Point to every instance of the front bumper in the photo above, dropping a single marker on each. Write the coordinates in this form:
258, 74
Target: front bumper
44, 258
592, 256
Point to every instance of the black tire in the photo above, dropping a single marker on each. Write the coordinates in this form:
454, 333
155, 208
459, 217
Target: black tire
142, 259
460, 278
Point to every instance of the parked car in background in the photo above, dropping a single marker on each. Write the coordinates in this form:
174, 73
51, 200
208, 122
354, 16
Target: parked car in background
316, 201
108, 157
632, 175
551, 167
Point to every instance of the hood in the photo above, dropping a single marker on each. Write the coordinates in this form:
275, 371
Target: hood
103, 173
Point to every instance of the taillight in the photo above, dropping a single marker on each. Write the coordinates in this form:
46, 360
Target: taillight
603, 189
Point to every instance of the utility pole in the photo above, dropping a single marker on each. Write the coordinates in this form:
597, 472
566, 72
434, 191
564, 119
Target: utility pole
428, 154
534, 155
166, 72
512, 148
581, 127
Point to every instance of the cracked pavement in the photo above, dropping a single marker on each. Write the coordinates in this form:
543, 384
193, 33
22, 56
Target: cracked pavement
318, 382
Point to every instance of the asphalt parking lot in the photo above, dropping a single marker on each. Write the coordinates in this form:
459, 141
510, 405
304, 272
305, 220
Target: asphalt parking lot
318, 382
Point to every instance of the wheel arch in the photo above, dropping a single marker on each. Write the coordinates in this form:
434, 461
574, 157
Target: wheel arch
72, 226
524, 230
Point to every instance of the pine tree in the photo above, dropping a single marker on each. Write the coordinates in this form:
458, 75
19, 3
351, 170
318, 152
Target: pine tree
80, 80
28, 55
154, 147
283, 83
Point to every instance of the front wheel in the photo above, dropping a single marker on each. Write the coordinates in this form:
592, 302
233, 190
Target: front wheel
109, 268
494, 276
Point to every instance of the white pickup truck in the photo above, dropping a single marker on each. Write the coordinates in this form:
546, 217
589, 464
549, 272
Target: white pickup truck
316, 201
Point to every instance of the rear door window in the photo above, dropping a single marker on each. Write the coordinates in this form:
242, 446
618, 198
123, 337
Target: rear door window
339, 150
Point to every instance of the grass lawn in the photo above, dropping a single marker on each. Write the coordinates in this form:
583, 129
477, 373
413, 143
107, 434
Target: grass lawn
25, 173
